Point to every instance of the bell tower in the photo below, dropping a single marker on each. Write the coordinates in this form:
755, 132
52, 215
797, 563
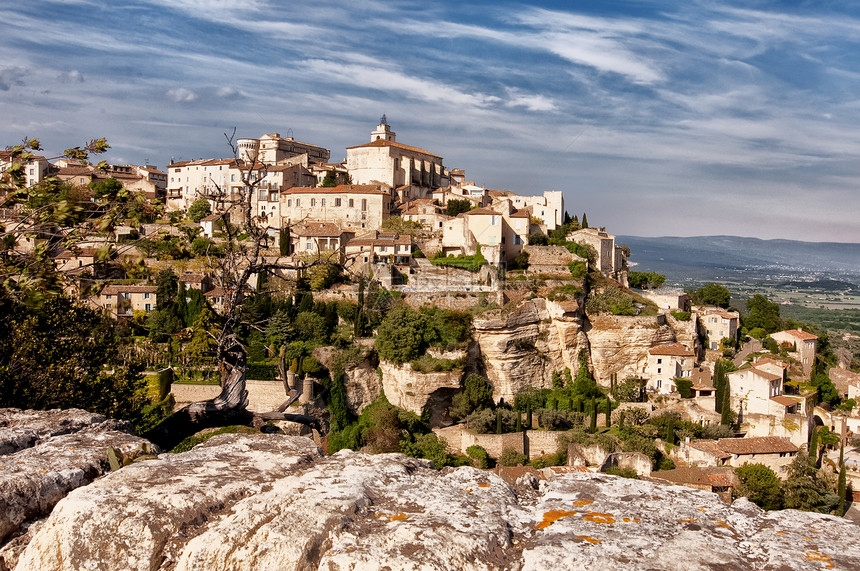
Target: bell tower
383, 131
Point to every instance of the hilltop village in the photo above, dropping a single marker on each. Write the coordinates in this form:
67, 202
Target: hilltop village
411, 310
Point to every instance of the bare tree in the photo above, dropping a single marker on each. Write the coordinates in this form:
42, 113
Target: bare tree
244, 256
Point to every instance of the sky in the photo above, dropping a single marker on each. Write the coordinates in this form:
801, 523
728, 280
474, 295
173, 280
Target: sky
655, 118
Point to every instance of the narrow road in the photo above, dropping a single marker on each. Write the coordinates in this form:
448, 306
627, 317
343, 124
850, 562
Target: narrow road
751, 346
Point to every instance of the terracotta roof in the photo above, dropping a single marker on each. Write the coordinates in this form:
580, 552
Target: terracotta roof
843, 378
481, 212
186, 278
497, 193
371, 241
385, 143
756, 445
683, 476
721, 479
210, 218
765, 374
770, 362
784, 401
215, 292
118, 289
317, 229
84, 253
74, 171
204, 163
341, 189
718, 312
799, 334
673, 350
521, 213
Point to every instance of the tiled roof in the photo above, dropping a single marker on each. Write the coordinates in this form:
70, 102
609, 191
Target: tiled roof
673, 350
756, 445
765, 375
204, 163
481, 212
799, 334
316, 229
215, 292
118, 289
521, 213
843, 378
371, 241
385, 143
784, 401
771, 362
210, 218
187, 278
341, 189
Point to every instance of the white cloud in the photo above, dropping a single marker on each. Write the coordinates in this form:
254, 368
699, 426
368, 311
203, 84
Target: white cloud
73, 76
10, 76
531, 101
182, 95
230, 93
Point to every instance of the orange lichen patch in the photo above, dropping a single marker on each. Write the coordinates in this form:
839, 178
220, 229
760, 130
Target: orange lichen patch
721, 523
631, 519
808, 538
583, 502
553, 516
484, 485
689, 519
597, 517
43, 471
588, 539
468, 490
701, 510
815, 556
780, 533
815, 531
398, 517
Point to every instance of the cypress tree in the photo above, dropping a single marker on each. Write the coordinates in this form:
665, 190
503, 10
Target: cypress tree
813, 448
670, 431
593, 427
841, 486
719, 386
608, 413
529, 417
726, 413
519, 422
584, 221
284, 241
621, 419
499, 421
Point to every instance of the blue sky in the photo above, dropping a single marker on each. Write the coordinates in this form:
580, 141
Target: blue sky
655, 118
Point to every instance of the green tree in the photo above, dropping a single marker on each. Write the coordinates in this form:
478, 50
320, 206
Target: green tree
760, 484
726, 416
584, 221
477, 393
803, 488
284, 241
329, 180
584, 385
841, 488
167, 286
199, 210
719, 385
763, 314
400, 337
714, 294
457, 206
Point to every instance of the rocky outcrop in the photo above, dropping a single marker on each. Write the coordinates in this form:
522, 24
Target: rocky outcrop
412, 390
619, 344
274, 502
48, 454
524, 347
363, 386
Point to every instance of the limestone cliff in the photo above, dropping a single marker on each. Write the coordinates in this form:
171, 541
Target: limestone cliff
619, 344
274, 502
412, 390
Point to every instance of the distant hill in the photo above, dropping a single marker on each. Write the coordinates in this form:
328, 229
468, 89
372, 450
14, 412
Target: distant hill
705, 258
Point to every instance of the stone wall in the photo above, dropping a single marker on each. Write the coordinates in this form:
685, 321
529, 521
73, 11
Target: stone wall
550, 259
263, 396
458, 439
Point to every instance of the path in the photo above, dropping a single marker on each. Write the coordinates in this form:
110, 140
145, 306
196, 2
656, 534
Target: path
751, 346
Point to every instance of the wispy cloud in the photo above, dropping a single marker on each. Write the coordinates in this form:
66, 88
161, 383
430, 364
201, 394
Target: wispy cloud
182, 95
10, 76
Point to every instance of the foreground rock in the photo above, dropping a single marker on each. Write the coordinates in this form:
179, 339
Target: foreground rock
274, 502
45, 455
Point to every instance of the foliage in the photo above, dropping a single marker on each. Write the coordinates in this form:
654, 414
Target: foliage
681, 315
805, 489
405, 334
479, 456
643, 280
477, 393
628, 390
827, 391
528, 398
611, 300
711, 294
719, 379
622, 472
470, 263
511, 457
520, 262
457, 206
538, 238
578, 270
199, 210
400, 226
429, 364
58, 356
684, 387
763, 313
483, 421
717, 431
760, 484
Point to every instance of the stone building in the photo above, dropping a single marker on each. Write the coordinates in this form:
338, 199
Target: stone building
803, 346
351, 206
665, 363
412, 172
611, 261
759, 389
717, 324
123, 300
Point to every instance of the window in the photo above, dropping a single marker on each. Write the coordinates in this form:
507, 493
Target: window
298, 202
337, 202
147, 307
322, 202
313, 202
309, 245
493, 220
232, 178
659, 361
363, 204
350, 203
147, 296
659, 370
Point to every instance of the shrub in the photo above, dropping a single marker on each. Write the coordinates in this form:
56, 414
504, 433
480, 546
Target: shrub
477, 393
622, 472
199, 210
681, 315
430, 364
479, 456
261, 371
511, 457
470, 263
684, 387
